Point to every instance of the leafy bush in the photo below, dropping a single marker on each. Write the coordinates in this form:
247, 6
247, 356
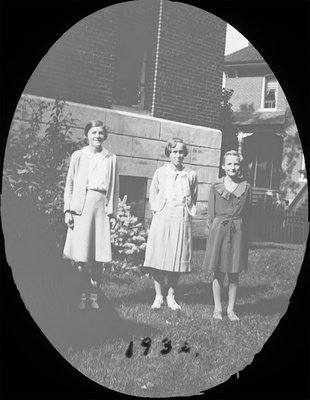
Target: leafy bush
128, 239
35, 169
35, 164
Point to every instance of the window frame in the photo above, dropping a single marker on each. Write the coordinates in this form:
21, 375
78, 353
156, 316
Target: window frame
302, 177
263, 92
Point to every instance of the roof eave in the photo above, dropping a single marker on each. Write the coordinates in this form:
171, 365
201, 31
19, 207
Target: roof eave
246, 64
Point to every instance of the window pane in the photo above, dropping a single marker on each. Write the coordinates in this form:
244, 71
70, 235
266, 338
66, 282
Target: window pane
263, 170
270, 92
262, 160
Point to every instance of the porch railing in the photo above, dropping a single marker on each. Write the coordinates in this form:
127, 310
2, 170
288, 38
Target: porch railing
283, 228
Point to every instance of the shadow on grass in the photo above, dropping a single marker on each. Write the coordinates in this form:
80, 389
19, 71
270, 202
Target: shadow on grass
196, 293
82, 329
265, 307
273, 245
247, 291
49, 286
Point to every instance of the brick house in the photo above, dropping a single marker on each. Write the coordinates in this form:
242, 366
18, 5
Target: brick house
150, 70
260, 107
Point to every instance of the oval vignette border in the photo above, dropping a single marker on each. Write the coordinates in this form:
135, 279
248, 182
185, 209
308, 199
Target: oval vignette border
31, 17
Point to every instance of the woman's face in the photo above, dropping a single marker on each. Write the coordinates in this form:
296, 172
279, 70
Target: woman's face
96, 137
231, 166
177, 155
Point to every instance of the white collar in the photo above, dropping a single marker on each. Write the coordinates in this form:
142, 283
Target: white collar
174, 171
90, 154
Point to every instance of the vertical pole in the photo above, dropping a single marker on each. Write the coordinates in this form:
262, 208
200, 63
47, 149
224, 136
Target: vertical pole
157, 55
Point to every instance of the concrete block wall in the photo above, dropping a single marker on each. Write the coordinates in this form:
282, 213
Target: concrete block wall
139, 143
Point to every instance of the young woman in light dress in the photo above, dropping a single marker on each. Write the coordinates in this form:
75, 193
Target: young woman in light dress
173, 196
90, 199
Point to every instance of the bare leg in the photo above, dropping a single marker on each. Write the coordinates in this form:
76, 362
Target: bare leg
158, 288
95, 279
217, 285
84, 284
96, 274
173, 278
158, 283
232, 295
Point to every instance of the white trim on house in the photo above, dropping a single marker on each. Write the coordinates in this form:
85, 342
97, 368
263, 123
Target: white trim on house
156, 55
224, 80
302, 177
262, 103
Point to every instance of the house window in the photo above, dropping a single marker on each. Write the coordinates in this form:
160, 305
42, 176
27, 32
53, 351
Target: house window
270, 93
262, 160
135, 189
303, 175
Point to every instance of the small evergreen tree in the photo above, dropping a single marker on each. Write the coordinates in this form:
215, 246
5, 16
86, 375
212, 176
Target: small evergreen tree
128, 239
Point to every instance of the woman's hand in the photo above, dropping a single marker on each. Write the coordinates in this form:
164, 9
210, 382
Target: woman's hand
207, 230
69, 221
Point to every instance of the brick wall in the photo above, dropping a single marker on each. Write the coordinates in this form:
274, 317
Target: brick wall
247, 94
83, 64
190, 65
79, 66
144, 15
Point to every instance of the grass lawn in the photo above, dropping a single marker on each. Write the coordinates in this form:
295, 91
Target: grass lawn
214, 351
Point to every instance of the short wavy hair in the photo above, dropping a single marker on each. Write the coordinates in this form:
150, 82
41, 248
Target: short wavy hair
171, 144
95, 123
232, 153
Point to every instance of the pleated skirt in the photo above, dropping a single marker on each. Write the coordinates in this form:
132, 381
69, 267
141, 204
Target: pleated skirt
89, 240
169, 245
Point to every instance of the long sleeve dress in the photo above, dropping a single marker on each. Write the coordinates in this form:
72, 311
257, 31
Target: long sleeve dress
91, 194
228, 218
173, 196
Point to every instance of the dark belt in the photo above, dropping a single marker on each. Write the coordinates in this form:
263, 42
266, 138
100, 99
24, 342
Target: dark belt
228, 222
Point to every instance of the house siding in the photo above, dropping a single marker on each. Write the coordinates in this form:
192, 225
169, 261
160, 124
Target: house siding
246, 82
248, 93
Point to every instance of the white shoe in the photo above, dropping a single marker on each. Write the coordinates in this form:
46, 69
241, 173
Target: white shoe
94, 301
158, 302
172, 303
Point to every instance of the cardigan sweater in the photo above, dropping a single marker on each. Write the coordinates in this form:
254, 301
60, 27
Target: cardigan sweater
77, 178
158, 189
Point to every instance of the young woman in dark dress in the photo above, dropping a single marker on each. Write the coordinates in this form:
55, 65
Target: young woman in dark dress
227, 247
